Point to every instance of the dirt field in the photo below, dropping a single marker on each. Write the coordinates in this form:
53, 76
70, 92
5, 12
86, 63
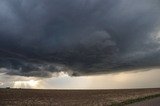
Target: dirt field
150, 102
28, 97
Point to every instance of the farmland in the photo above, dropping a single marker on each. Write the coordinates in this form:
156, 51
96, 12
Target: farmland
35, 97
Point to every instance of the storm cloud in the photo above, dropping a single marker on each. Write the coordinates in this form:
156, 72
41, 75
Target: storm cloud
80, 37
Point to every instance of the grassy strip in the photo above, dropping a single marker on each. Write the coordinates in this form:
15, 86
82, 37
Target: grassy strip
130, 101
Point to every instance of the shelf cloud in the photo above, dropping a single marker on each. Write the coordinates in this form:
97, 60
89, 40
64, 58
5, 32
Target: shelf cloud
80, 37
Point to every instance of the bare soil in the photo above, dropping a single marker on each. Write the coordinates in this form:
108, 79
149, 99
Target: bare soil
35, 97
151, 102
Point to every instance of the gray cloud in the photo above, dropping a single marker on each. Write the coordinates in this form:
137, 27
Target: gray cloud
38, 38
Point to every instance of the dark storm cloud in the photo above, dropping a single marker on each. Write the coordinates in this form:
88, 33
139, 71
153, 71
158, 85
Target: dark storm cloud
80, 37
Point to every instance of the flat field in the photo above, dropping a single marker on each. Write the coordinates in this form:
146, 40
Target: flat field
36, 97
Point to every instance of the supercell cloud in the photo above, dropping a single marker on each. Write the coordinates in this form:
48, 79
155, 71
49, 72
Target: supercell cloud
80, 37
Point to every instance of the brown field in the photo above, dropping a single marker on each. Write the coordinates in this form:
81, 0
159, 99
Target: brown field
29, 97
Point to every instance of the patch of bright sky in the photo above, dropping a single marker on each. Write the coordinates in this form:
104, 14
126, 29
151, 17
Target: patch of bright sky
130, 79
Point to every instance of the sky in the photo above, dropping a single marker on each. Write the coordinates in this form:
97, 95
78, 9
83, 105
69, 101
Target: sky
71, 44
122, 80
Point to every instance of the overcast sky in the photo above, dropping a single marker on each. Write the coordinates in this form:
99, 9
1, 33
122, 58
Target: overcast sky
81, 38
122, 80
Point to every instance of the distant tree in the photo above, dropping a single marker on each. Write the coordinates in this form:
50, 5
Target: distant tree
7, 87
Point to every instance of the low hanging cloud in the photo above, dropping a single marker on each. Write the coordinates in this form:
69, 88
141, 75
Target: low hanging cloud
80, 37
